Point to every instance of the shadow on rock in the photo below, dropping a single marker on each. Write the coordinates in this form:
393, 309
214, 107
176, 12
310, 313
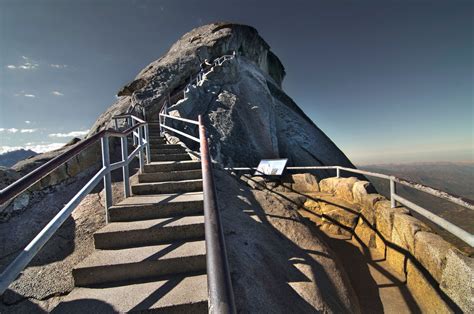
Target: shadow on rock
84, 306
276, 264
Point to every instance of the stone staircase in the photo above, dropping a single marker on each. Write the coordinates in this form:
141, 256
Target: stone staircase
152, 255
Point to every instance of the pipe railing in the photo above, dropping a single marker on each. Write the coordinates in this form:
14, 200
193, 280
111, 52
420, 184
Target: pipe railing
394, 197
131, 120
29, 252
200, 75
219, 286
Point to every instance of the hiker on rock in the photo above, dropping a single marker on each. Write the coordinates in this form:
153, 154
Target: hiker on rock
205, 65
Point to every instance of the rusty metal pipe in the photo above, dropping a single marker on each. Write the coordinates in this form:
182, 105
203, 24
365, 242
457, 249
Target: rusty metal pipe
221, 296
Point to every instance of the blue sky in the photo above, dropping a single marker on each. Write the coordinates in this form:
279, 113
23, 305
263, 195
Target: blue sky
388, 81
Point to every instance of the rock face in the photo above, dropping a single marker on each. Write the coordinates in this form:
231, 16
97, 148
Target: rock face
247, 114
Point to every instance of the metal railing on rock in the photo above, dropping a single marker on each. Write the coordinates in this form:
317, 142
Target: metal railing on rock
139, 131
195, 80
394, 197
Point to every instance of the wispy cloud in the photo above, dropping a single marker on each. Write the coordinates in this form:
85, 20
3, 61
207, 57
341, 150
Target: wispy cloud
24, 94
27, 121
15, 130
58, 66
57, 93
28, 130
36, 147
26, 64
70, 134
10, 130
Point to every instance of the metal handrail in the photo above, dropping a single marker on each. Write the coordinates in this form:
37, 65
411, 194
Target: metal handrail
220, 292
394, 197
42, 171
30, 251
217, 62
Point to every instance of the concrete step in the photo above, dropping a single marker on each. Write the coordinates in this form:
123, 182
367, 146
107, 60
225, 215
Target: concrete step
170, 157
134, 264
170, 176
119, 235
154, 142
142, 207
164, 166
181, 150
181, 186
178, 294
165, 146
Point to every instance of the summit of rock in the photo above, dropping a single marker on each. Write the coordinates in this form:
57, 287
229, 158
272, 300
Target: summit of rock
247, 114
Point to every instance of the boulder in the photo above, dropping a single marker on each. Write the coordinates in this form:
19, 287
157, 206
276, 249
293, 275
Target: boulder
362, 197
304, 182
341, 187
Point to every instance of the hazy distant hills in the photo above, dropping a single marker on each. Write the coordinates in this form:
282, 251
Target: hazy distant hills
10, 158
454, 178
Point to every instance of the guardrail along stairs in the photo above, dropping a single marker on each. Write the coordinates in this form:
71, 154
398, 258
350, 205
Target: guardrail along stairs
152, 254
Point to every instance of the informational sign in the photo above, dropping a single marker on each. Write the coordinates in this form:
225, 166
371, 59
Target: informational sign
271, 167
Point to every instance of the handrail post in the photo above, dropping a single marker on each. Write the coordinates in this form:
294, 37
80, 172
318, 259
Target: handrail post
107, 177
393, 191
221, 297
133, 136
140, 152
338, 172
125, 169
116, 124
159, 121
147, 145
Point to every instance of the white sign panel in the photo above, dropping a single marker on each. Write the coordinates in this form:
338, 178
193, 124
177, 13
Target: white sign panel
271, 167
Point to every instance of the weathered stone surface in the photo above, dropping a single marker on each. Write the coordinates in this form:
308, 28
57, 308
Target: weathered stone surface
313, 206
341, 187
396, 258
458, 280
380, 244
368, 216
304, 182
362, 197
365, 233
7, 176
404, 230
426, 296
384, 217
359, 191
338, 215
133, 86
430, 251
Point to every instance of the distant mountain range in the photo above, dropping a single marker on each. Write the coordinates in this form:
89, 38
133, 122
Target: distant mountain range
10, 158
455, 178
